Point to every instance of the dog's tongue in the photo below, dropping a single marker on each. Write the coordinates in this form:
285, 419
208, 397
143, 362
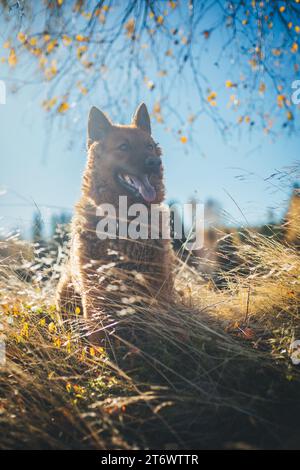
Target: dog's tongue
145, 188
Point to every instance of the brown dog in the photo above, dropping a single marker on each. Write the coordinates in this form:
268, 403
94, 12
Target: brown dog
105, 276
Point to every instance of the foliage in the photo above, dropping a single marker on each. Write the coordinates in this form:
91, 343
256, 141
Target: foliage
234, 62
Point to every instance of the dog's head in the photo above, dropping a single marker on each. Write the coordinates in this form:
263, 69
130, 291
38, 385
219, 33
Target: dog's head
124, 159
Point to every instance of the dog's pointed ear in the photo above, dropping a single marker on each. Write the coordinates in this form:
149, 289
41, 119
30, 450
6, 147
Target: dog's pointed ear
141, 118
98, 125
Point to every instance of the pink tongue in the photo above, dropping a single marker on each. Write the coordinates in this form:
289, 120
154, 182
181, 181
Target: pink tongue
145, 188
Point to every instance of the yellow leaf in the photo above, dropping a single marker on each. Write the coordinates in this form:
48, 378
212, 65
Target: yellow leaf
6, 44
48, 104
156, 107
57, 342
60, 2
68, 387
81, 38
294, 47
80, 51
42, 322
183, 139
297, 29
150, 85
21, 37
63, 107
160, 19
51, 71
33, 41
66, 40
12, 59
280, 100
52, 327
92, 351
77, 310
262, 88
51, 45
130, 27
47, 37
43, 61
290, 116
276, 52
212, 98
282, 9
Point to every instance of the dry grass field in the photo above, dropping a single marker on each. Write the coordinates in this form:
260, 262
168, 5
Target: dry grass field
211, 368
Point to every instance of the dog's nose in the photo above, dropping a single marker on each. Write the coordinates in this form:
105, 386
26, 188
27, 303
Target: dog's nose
153, 163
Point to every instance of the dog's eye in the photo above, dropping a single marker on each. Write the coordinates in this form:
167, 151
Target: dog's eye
123, 147
150, 147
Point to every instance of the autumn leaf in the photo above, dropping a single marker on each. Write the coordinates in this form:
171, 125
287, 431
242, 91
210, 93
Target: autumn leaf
262, 87
51, 71
183, 139
12, 59
51, 45
280, 100
66, 40
150, 84
63, 107
81, 38
48, 104
294, 47
230, 84
80, 51
249, 333
130, 28
21, 37
211, 98
276, 52
33, 41
52, 327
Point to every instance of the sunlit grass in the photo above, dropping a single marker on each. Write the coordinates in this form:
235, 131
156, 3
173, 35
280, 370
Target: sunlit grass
209, 368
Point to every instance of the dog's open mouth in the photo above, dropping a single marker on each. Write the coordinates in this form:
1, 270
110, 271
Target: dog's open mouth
138, 185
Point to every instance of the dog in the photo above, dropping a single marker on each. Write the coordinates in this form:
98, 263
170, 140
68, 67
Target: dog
103, 277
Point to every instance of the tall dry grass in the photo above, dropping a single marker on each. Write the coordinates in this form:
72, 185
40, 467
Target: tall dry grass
210, 368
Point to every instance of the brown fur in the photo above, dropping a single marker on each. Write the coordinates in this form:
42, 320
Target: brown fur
103, 274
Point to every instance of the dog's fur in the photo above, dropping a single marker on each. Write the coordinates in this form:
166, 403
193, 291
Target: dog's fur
101, 274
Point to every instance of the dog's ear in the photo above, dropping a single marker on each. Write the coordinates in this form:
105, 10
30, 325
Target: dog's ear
141, 118
98, 125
